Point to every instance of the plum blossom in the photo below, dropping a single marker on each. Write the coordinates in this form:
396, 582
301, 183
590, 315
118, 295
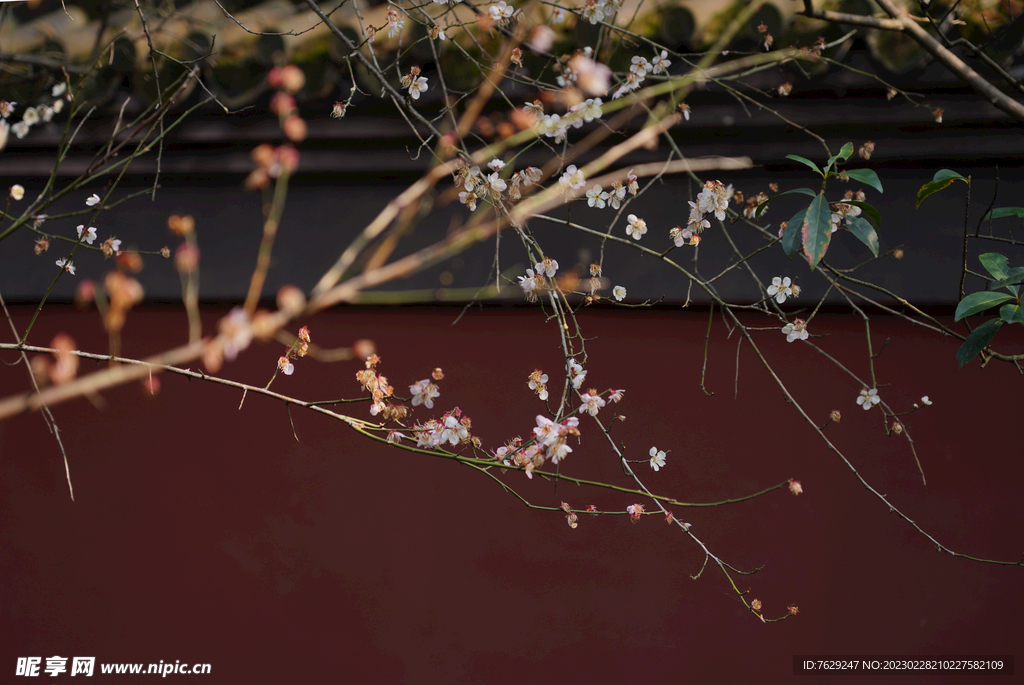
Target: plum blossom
94, 199
285, 365
416, 86
66, 265
636, 227
501, 12
576, 373
795, 331
780, 289
538, 383
531, 283
90, 234
661, 63
592, 402
657, 458
596, 197
868, 398
552, 436
547, 266
424, 392
17, 191
572, 179
618, 292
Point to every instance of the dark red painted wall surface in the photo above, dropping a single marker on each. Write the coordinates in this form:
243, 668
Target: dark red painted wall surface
205, 533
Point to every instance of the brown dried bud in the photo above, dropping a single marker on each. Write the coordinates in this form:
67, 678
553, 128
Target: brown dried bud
835, 415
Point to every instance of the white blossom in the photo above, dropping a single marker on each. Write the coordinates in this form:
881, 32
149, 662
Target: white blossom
868, 398
780, 289
657, 458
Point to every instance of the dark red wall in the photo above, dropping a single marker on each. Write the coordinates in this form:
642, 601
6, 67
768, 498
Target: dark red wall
207, 534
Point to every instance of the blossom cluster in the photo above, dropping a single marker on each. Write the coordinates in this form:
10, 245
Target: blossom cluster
491, 187
31, 116
452, 428
377, 385
712, 199
557, 126
638, 70
598, 198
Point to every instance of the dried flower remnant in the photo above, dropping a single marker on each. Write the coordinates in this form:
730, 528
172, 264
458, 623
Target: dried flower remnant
785, 89
635, 511
756, 605
937, 114
42, 245
897, 428
793, 610
866, 149
795, 487
835, 415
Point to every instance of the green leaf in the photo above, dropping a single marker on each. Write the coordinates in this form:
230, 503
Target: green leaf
816, 230
864, 232
945, 174
977, 341
804, 160
844, 154
995, 264
1011, 313
869, 210
791, 236
865, 176
1013, 277
764, 205
978, 302
942, 178
1000, 212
